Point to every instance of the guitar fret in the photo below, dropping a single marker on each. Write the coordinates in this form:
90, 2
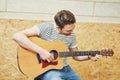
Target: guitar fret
88, 53
78, 53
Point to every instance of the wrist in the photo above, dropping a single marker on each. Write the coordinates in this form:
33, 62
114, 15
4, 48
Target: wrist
89, 57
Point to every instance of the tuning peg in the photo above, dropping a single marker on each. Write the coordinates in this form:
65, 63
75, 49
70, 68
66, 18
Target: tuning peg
107, 52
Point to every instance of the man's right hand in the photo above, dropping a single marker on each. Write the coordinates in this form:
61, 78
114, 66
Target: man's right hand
45, 55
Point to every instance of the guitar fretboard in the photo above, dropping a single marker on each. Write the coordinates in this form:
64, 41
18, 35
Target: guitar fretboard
78, 53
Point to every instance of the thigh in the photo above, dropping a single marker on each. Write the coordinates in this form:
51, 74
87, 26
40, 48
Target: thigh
53, 75
70, 73
73, 77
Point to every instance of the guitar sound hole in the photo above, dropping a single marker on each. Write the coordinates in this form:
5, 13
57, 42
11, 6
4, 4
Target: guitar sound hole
54, 53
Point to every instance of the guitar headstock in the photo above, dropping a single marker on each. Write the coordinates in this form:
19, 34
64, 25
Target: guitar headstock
107, 52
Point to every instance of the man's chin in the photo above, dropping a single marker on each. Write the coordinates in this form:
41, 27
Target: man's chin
67, 34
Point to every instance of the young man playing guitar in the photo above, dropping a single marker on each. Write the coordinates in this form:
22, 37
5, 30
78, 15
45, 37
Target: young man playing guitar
61, 30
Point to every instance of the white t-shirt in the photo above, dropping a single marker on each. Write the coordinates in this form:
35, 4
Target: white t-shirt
47, 31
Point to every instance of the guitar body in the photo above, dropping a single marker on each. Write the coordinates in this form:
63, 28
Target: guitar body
28, 62
32, 65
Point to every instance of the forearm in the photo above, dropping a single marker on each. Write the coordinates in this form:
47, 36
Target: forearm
23, 41
81, 58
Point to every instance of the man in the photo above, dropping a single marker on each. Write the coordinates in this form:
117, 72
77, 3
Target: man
61, 30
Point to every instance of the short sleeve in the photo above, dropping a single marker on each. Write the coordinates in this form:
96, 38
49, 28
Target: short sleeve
42, 28
73, 42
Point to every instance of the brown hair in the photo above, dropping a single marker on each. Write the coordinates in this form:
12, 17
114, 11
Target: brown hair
63, 18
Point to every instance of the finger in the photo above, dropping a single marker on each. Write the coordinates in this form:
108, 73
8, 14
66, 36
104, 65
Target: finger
48, 60
51, 58
97, 56
95, 60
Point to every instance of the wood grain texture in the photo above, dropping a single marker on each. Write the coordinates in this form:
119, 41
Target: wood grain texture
90, 36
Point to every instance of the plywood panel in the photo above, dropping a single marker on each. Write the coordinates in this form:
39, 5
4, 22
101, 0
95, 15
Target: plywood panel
90, 36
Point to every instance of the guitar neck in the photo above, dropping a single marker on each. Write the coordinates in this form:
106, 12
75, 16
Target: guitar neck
78, 53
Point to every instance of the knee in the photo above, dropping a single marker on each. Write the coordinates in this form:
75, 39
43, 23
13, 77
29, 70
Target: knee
52, 75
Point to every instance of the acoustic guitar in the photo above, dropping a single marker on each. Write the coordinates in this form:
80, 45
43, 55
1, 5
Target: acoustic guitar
31, 64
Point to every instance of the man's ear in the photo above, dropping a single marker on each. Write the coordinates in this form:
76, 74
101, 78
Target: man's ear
58, 28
